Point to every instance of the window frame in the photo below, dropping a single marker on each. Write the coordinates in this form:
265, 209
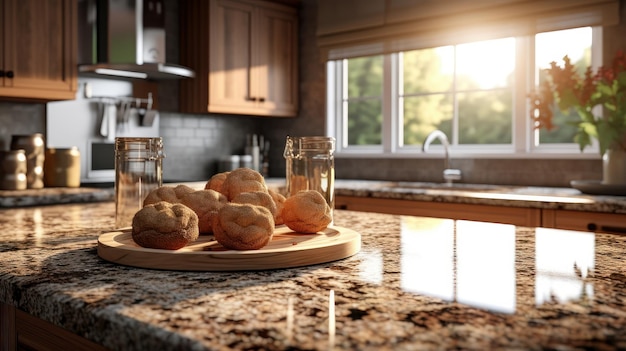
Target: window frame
522, 145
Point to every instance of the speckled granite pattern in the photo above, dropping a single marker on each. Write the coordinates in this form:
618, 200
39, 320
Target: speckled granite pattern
417, 283
47, 196
495, 195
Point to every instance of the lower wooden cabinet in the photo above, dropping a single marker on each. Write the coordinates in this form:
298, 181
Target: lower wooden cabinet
22, 331
522, 216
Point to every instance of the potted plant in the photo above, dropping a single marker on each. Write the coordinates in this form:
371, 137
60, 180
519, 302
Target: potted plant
566, 89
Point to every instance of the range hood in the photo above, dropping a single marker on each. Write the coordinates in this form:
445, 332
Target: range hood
125, 39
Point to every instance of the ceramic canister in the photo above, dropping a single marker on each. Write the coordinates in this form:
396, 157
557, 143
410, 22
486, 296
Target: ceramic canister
62, 167
13, 170
33, 145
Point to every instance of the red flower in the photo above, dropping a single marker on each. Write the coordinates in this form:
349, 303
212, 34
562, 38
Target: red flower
569, 90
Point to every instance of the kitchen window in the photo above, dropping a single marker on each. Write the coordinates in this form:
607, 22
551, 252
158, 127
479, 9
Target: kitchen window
475, 92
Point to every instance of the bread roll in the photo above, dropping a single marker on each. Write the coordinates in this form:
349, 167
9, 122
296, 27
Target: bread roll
243, 227
170, 194
242, 180
164, 225
306, 212
206, 204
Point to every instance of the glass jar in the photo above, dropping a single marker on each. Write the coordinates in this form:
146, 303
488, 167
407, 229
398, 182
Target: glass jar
310, 165
33, 146
138, 171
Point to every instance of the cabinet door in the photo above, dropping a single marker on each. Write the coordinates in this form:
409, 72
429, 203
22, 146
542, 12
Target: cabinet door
230, 62
39, 49
250, 66
276, 62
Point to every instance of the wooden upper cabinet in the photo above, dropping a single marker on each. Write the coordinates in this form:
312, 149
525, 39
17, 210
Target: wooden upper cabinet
348, 15
245, 57
38, 49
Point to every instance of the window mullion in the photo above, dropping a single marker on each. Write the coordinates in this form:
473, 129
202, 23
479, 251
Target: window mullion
342, 107
454, 138
333, 128
523, 128
390, 108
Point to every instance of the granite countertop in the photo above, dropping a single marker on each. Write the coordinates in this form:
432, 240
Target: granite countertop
482, 194
53, 196
417, 283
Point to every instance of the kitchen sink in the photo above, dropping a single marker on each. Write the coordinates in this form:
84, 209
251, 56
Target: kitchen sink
490, 191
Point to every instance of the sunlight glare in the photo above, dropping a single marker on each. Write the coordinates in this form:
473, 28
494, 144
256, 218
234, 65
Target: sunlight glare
489, 63
553, 46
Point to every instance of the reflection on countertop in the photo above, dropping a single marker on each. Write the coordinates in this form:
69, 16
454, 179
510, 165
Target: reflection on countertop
417, 283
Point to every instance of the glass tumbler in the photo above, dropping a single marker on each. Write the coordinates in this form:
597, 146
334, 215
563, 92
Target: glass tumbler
311, 166
138, 171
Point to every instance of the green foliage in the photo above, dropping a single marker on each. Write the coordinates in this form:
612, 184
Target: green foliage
429, 98
582, 93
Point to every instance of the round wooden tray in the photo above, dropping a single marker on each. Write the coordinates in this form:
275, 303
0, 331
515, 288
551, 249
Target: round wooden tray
287, 249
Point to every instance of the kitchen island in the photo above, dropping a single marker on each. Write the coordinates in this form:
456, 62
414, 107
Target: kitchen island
417, 283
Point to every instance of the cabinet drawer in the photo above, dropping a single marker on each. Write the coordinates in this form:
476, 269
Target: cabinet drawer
529, 217
585, 221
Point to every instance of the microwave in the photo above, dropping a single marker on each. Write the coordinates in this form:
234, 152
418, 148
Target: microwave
100, 161
78, 123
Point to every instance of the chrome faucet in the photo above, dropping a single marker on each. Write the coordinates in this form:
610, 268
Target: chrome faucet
449, 174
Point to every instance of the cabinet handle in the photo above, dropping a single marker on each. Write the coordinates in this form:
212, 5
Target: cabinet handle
10, 74
262, 99
1, 74
251, 98
606, 228
611, 229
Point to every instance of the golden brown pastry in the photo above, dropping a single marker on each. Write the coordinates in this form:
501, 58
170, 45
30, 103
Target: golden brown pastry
216, 182
206, 204
279, 200
258, 198
243, 227
242, 180
164, 225
306, 212
167, 193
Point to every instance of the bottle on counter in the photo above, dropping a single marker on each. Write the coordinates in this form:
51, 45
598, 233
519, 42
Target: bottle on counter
265, 158
252, 149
